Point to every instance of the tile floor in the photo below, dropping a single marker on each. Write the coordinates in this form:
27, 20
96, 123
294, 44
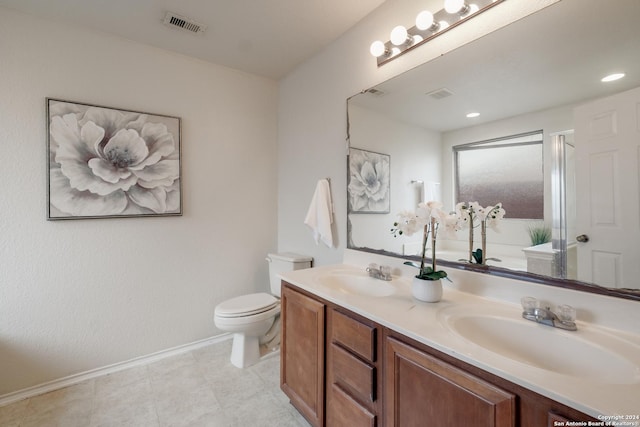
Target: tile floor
200, 388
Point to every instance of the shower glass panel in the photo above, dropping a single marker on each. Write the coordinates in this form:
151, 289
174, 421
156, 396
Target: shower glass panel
563, 203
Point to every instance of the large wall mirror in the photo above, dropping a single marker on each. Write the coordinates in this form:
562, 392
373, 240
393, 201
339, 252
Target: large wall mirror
536, 81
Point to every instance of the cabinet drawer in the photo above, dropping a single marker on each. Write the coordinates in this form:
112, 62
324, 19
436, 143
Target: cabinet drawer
348, 412
353, 375
354, 335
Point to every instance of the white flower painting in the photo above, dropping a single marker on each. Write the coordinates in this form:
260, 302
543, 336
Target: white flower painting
105, 162
368, 186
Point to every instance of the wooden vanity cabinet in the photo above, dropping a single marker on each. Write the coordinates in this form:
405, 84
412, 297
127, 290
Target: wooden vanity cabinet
302, 350
341, 369
461, 392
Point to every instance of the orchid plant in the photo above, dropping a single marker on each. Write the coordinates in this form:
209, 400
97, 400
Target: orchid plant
427, 218
471, 215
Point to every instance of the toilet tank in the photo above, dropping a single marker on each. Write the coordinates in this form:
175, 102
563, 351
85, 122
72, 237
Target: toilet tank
285, 261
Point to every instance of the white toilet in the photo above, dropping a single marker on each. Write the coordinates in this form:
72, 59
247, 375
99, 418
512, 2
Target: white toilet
254, 319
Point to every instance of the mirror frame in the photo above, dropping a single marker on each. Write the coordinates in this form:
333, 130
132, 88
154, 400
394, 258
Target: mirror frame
575, 285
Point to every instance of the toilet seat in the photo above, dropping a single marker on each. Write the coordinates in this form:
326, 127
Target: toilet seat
254, 319
247, 305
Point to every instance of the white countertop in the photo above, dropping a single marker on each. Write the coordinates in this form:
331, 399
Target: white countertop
596, 396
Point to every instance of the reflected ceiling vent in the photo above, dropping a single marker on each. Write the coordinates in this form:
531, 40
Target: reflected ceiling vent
375, 92
174, 20
440, 93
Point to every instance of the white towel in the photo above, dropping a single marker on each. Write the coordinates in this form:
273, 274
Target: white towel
320, 214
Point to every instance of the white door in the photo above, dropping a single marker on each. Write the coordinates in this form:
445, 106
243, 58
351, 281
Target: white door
607, 141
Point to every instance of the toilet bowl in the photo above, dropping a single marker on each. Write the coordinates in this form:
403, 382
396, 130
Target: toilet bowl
249, 318
254, 319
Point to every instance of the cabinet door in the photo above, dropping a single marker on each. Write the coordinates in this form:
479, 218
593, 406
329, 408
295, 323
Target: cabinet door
302, 354
421, 390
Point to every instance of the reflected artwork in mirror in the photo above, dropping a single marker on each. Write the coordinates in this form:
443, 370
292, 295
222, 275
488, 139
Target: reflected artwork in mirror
541, 74
368, 185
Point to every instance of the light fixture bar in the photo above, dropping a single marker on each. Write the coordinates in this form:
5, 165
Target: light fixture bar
442, 22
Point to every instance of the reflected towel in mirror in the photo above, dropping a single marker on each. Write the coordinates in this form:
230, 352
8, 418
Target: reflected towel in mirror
320, 214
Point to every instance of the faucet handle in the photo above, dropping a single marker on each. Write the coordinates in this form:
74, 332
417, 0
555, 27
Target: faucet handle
529, 304
385, 272
566, 313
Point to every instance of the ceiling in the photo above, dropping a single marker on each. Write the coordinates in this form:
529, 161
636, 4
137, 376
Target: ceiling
264, 37
554, 57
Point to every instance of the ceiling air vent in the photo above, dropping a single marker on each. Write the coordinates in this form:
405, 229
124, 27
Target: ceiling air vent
375, 92
440, 93
174, 20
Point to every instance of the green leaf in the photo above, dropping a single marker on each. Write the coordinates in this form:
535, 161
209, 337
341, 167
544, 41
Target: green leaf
428, 274
477, 255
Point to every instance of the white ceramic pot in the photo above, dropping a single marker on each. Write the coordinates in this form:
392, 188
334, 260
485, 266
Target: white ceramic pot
426, 290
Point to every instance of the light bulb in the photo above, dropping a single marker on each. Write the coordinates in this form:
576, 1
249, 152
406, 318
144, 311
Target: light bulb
377, 48
453, 6
612, 77
472, 115
424, 20
399, 35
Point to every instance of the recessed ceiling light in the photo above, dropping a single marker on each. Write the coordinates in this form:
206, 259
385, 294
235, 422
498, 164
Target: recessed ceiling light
472, 115
612, 77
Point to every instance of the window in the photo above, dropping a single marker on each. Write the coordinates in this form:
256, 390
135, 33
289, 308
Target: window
505, 170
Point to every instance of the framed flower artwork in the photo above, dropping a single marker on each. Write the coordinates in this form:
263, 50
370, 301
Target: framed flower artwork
105, 162
368, 183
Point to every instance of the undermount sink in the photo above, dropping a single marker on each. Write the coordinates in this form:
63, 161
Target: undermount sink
587, 353
357, 283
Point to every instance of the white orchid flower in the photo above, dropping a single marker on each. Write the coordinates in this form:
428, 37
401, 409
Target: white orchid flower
452, 224
493, 214
407, 224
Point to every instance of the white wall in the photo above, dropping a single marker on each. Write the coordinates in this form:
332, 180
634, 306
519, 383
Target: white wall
79, 295
414, 156
312, 109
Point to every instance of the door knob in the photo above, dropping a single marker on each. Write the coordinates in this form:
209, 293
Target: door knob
583, 238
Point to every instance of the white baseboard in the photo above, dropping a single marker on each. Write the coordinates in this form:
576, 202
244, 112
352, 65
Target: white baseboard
98, 372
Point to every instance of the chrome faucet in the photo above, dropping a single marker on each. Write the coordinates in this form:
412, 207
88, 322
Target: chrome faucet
382, 272
566, 319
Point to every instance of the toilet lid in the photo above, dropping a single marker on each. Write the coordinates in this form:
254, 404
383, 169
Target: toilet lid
246, 305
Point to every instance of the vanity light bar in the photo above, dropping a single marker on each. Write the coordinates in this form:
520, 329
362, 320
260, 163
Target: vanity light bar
428, 26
